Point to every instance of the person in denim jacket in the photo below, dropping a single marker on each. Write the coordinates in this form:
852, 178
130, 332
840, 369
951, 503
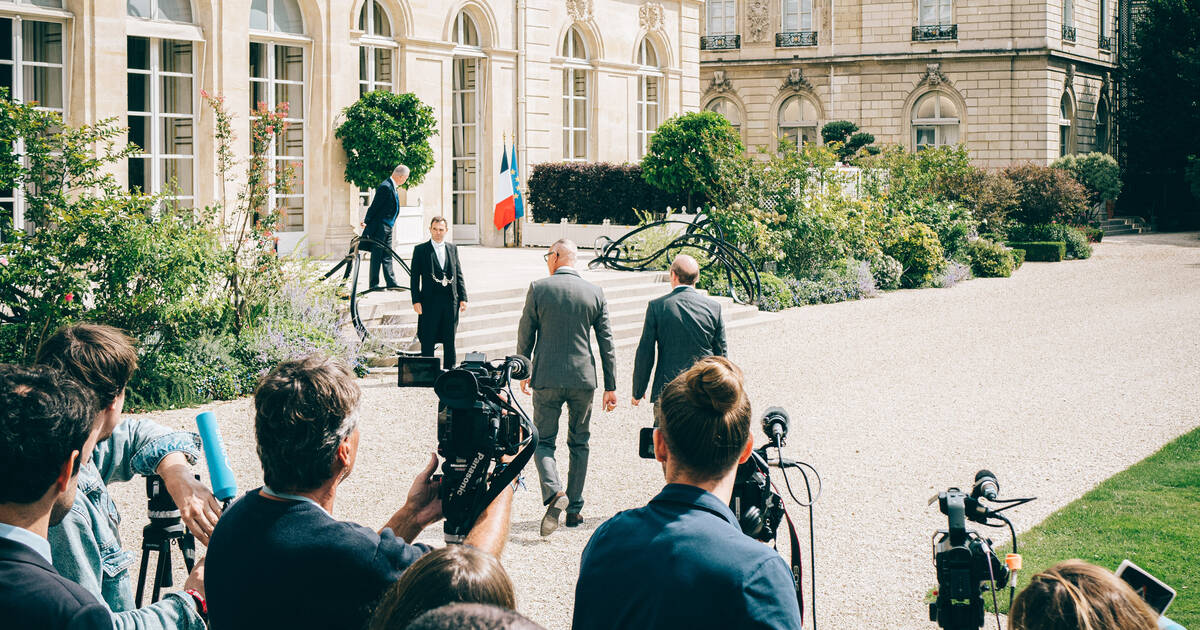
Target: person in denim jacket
86, 545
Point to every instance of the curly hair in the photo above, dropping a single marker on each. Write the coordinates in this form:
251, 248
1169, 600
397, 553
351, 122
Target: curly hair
304, 408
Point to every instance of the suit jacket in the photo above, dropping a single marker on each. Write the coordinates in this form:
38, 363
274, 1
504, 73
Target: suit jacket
560, 313
34, 595
385, 207
421, 280
686, 326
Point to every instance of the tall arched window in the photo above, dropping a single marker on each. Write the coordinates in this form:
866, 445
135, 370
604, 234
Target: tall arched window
576, 71
376, 50
798, 120
160, 76
32, 53
277, 76
1066, 124
1102, 137
649, 85
729, 110
466, 90
935, 121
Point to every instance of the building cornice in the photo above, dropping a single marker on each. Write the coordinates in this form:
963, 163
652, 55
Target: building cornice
911, 56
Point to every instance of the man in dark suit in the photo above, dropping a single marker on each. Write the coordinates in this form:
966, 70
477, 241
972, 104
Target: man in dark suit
47, 430
556, 325
439, 292
377, 225
685, 326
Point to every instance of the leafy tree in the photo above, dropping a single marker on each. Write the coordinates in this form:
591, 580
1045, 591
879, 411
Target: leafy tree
1160, 121
849, 139
383, 130
687, 153
1098, 172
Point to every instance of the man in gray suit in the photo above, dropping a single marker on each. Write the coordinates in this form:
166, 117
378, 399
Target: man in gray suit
685, 325
560, 313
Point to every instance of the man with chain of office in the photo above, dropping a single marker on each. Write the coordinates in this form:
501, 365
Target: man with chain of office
439, 293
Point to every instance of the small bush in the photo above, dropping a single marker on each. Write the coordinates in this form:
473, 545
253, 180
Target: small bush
1041, 251
953, 273
1098, 172
952, 222
1077, 243
990, 259
1093, 234
1018, 258
590, 192
886, 271
919, 251
1046, 194
776, 295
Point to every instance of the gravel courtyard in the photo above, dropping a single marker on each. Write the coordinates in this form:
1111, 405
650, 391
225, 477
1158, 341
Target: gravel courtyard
1054, 379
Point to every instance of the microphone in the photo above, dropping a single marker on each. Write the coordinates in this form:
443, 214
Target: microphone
775, 424
986, 485
520, 366
223, 482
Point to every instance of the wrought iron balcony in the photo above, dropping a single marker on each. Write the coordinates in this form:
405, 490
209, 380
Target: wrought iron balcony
934, 32
720, 42
1068, 33
1106, 42
795, 39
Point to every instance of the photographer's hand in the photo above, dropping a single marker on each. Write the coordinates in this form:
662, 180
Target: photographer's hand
422, 507
198, 508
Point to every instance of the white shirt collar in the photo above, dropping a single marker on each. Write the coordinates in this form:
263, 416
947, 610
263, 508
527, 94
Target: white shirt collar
27, 538
437, 245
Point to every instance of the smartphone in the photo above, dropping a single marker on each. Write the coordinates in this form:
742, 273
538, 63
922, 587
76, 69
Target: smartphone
1157, 594
646, 443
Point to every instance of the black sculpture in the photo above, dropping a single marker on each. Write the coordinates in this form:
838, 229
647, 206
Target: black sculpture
352, 262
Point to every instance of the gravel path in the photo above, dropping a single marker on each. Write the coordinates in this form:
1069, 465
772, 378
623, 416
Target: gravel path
1054, 379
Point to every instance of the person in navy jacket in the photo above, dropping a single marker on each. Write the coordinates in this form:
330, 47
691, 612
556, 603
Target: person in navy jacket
378, 223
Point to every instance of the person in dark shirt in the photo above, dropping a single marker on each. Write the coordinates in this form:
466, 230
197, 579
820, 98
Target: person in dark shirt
277, 558
682, 561
47, 431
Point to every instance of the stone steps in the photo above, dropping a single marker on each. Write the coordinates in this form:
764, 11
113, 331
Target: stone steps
1118, 226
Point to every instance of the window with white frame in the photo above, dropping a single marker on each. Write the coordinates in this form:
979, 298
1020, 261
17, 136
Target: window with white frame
277, 76
376, 50
576, 92
796, 15
161, 116
935, 121
798, 120
163, 10
32, 70
935, 12
1066, 125
729, 110
721, 17
465, 92
1068, 14
650, 79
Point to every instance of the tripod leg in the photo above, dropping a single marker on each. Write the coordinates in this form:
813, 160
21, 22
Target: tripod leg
162, 576
141, 587
187, 544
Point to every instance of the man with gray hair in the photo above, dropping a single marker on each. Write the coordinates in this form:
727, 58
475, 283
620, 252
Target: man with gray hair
684, 325
556, 325
377, 226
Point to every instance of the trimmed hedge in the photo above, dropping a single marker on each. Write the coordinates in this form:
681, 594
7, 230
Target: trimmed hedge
1041, 251
589, 192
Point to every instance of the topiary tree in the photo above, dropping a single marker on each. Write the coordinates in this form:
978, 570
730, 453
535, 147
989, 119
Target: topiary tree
1098, 172
383, 130
848, 136
687, 153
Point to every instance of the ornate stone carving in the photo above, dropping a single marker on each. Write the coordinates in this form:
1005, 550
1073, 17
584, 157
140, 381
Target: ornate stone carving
795, 81
934, 75
1070, 76
652, 16
758, 20
580, 10
1106, 84
720, 82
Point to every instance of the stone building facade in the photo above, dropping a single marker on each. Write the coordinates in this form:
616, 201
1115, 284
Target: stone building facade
567, 79
1015, 80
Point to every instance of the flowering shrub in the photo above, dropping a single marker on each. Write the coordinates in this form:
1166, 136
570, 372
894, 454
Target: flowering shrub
990, 259
918, 250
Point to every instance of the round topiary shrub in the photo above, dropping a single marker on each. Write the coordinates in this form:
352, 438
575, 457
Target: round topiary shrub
687, 153
919, 251
383, 130
990, 259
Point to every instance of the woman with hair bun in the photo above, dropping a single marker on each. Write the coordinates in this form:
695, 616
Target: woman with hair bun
682, 561
1075, 595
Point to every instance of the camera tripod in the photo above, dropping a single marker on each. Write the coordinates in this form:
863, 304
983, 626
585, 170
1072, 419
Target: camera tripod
164, 528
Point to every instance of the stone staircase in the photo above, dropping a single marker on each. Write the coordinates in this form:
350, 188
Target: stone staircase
490, 323
1117, 226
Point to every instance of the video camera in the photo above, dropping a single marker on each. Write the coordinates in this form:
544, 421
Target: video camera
966, 563
479, 422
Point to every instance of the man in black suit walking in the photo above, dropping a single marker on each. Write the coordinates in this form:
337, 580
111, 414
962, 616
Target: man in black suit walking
377, 225
47, 430
439, 292
685, 325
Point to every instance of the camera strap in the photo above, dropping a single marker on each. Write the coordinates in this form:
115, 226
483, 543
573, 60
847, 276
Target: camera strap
797, 564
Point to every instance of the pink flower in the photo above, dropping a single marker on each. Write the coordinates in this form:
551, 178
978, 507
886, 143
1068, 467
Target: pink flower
204, 93
270, 128
4, 260
68, 297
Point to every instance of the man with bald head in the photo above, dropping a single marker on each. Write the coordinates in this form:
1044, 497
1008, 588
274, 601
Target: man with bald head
560, 314
684, 325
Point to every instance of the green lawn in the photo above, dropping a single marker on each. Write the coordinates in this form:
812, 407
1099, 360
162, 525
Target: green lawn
1149, 514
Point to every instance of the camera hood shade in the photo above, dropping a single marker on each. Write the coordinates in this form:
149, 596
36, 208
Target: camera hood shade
457, 388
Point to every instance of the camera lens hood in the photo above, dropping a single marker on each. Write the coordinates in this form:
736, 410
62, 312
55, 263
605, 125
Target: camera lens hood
457, 388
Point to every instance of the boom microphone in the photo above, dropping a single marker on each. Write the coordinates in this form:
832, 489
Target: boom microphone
986, 485
223, 482
520, 366
775, 424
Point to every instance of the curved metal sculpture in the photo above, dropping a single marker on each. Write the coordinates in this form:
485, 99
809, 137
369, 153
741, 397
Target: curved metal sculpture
352, 262
704, 235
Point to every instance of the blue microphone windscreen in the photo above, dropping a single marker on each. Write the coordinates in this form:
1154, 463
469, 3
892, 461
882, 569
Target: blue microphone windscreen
223, 482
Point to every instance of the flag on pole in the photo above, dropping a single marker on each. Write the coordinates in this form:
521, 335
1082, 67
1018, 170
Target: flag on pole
505, 211
518, 198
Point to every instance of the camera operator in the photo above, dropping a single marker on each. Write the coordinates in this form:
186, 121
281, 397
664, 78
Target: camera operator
86, 545
682, 561
278, 558
47, 430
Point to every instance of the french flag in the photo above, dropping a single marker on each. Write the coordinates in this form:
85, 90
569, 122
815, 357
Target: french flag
506, 207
